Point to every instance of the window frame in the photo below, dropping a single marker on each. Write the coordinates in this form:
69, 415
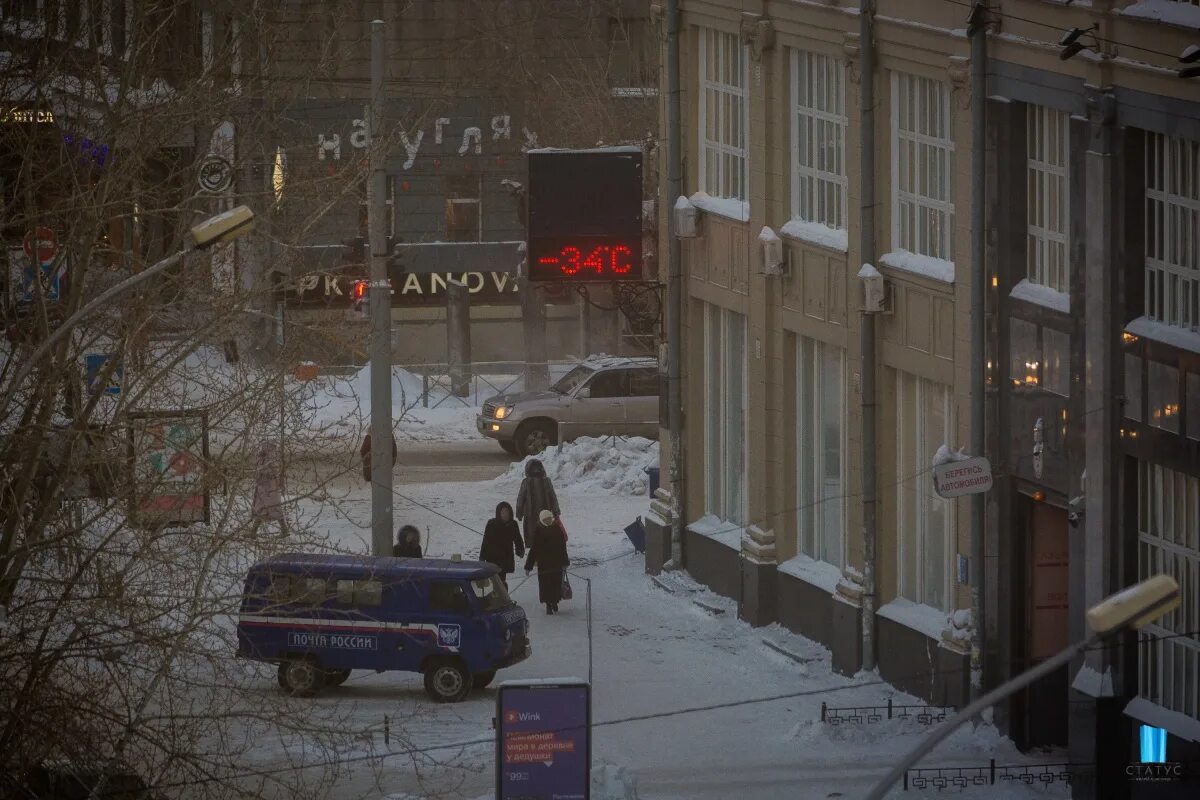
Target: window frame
815, 543
652, 377
837, 122
720, 185
725, 462
1041, 238
600, 375
944, 146
1164, 208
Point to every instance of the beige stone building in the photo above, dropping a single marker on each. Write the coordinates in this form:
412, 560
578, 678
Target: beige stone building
1093, 203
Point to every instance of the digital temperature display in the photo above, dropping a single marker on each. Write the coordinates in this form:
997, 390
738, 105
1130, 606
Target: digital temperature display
585, 215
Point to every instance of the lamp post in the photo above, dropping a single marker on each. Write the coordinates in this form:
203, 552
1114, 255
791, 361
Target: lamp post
1129, 608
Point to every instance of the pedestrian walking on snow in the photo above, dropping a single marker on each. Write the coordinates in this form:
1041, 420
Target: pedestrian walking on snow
408, 542
501, 538
548, 553
536, 494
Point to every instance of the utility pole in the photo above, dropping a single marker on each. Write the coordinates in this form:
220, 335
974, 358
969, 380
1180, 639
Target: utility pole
381, 312
674, 286
977, 25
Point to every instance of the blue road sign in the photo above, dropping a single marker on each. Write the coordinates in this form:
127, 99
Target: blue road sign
47, 275
97, 363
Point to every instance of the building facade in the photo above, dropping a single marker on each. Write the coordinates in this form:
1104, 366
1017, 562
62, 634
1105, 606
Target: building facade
1092, 280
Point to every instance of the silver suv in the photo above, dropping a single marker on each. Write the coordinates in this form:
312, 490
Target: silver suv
600, 397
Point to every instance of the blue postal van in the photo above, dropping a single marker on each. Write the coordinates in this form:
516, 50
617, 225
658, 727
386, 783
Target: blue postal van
319, 617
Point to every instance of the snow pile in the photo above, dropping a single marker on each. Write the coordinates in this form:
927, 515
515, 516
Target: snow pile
1169, 11
611, 466
816, 233
1041, 295
959, 625
945, 455
926, 266
722, 206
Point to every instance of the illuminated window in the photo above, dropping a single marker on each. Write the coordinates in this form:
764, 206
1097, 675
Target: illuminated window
1173, 230
922, 166
1168, 504
924, 521
1162, 386
725, 414
464, 218
1047, 196
820, 449
1025, 360
724, 111
1056, 362
818, 139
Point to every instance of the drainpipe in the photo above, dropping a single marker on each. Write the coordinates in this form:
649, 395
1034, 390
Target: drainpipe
674, 286
866, 245
978, 33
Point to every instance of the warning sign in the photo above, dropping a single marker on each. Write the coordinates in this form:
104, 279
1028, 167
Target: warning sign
956, 478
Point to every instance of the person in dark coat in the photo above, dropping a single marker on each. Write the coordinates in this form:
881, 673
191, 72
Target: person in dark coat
536, 494
365, 452
408, 542
500, 538
548, 552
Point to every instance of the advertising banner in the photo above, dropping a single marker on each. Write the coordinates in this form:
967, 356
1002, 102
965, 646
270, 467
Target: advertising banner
169, 454
543, 740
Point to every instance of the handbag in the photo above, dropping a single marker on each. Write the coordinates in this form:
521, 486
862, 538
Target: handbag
567, 593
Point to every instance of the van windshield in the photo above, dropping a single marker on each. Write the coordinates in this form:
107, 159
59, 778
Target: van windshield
491, 593
573, 380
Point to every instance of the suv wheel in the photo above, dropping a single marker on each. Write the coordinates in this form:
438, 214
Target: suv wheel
447, 681
301, 677
534, 437
508, 446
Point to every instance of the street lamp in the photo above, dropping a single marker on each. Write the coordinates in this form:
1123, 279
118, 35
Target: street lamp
1129, 608
224, 227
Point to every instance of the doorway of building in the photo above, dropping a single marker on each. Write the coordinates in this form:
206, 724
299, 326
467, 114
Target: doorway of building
1046, 607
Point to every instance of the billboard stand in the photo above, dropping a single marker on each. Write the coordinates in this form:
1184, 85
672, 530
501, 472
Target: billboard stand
544, 739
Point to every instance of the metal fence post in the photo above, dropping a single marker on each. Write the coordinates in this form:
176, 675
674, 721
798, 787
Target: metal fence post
822, 711
992, 771
889, 708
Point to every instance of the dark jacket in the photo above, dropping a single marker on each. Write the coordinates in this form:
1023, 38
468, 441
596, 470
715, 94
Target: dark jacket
408, 543
365, 452
500, 539
536, 495
548, 554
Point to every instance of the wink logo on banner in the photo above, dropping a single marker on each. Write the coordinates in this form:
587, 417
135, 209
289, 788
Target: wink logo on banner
449, 635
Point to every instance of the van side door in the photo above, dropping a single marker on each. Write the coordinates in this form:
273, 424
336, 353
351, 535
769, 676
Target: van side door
454, 623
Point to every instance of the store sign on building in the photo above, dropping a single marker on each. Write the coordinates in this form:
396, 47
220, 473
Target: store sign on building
329, 290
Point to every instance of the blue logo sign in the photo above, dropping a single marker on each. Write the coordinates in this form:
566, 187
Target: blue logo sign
543, 741
449, 635
95, 365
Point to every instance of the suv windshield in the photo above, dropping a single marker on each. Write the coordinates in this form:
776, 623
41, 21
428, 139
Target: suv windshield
573, 380
491, 593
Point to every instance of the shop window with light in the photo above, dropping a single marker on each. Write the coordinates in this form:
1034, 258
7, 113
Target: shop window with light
820, 450
724, 114
1168, 510
1172, 230
924, 521
1162, 385
1039, 357
922, 166
819, 139
725, 414
1047, 196
464, 218
1024, 358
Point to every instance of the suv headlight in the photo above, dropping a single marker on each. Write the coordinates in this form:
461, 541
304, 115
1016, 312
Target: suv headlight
503, 411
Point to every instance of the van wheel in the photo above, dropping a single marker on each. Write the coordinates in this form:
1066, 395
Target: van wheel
336, 677
300, 677
534, 437
447, 681
481, 680
508, 446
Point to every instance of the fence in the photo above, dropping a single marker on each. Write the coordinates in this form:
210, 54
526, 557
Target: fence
857, 715
961, 777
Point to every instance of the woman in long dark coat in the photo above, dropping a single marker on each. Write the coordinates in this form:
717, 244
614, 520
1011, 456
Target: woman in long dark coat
501, 538
536, 495
548, 553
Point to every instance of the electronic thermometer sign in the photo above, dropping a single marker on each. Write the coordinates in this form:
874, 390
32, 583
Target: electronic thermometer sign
585, 215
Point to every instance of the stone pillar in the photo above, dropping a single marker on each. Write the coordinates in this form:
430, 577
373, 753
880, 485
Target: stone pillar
759, 589
458, 336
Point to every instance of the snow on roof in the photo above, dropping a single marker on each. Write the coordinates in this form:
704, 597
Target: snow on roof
768, 235
682, 202
1153, 714
1169, 11
818, 573
309, 562
816, 233
1093, 684
722, 206
922, 618
869, 271
1042, 295
1167, 334
927, 266
605, 361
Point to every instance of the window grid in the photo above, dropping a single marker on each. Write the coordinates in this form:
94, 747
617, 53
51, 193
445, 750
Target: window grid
820, 450
819, 178
725, 418
1169, 543
723, 114
1048, 196
925, 522
922, 166
1173, 230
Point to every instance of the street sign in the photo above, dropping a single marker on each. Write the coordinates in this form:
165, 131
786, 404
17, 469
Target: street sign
957, 478
543, 740
169, 453
215, 174
41, 244
97, 365
585, 215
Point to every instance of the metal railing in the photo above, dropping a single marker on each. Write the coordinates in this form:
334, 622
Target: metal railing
940, 778
858, 715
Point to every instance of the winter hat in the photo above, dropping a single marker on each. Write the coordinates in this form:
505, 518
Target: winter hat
546, 517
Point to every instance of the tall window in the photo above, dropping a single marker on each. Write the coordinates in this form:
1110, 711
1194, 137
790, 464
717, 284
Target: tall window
725, 413
1047, 196
820, 449
922, 167
818, 139
1173, 230
924, 521
1169, 544
723, 114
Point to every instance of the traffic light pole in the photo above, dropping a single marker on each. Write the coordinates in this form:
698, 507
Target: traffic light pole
381, 313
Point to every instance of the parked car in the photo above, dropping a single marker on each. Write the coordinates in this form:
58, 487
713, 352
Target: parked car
611, 396
319, 617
